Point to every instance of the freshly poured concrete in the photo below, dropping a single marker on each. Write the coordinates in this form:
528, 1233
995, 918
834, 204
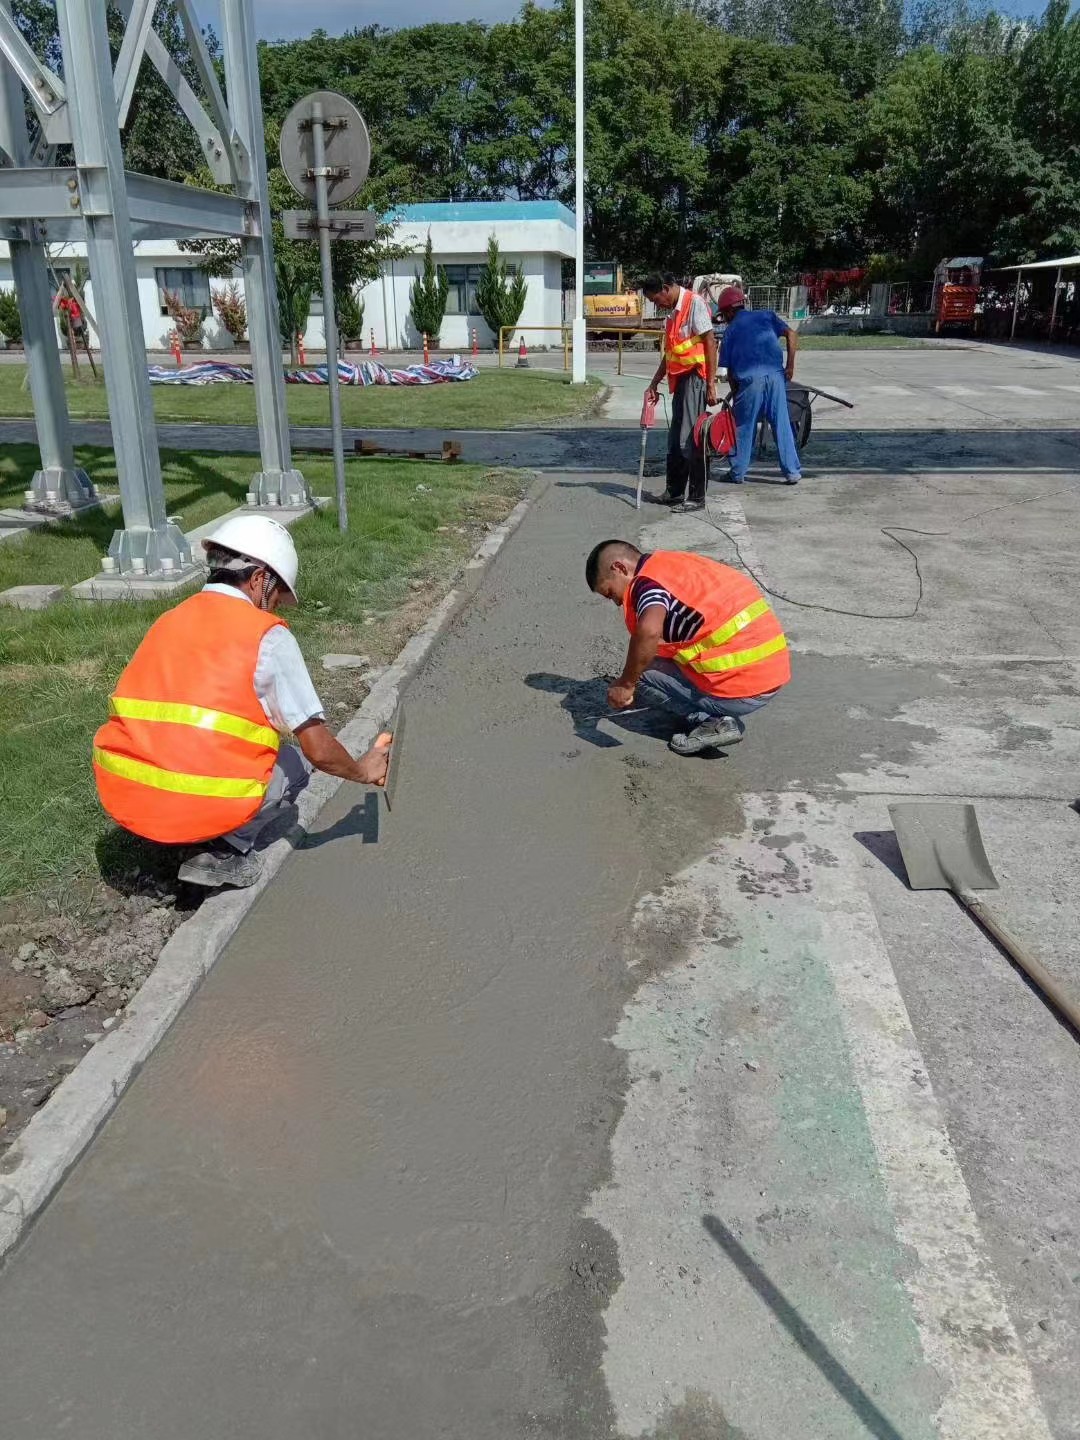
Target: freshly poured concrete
585, 1101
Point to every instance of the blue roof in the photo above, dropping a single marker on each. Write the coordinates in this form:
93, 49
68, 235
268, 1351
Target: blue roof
430, 214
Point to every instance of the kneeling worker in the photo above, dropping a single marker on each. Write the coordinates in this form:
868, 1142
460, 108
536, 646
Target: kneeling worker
704, 641
192, 751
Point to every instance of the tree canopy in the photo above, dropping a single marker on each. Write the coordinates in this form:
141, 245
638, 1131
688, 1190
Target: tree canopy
766, 136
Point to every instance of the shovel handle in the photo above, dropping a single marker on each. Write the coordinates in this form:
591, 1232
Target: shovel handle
1036, 972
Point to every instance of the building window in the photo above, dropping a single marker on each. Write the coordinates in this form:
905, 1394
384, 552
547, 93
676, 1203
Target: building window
190, 285
461, 298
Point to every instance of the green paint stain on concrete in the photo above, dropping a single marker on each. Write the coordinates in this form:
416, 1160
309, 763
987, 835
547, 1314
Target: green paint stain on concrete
824, 1232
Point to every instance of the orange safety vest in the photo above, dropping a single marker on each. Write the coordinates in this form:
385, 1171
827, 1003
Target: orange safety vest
739, 649
683, 356
186, 754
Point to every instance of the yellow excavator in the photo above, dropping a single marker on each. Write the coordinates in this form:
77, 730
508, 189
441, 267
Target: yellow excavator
606, 295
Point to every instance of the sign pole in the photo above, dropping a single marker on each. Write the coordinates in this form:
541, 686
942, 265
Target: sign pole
578, 377
322, 210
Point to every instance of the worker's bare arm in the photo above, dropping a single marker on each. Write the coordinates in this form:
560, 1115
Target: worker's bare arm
644, 644
710, 367
323, 750
791, 340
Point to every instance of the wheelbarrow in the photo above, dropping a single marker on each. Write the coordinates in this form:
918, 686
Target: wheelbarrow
943, 850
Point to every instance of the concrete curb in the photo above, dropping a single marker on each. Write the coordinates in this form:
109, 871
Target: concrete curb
56, 1137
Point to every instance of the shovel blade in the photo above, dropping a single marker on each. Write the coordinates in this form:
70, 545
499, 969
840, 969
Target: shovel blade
941, 846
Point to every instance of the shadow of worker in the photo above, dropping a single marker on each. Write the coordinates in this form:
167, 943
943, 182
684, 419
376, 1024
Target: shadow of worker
585, 701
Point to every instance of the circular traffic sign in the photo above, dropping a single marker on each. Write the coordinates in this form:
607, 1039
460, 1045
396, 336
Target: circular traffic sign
348, 146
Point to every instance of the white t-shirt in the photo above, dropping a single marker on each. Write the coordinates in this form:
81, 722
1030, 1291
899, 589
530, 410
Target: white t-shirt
698, 321
282, 682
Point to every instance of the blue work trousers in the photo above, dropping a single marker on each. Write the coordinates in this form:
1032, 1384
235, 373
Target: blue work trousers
667, 687
763, 391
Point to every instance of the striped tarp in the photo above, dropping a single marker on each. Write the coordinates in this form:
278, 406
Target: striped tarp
217, 372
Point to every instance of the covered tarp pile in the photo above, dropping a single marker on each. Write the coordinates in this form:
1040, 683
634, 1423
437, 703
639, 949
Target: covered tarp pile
216, 372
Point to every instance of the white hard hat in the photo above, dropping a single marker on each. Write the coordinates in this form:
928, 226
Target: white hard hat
257, 537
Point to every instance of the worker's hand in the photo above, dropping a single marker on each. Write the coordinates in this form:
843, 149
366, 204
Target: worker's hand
373, 766
789, 370
710, 393
653, 394
620, 696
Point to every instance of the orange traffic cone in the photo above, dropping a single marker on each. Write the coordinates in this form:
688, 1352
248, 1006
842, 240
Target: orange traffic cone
475, 343
374, 347
523, 355
300, 350
178, 354
427, 352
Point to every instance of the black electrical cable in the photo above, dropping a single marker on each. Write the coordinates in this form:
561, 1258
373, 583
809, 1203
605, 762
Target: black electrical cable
886, 530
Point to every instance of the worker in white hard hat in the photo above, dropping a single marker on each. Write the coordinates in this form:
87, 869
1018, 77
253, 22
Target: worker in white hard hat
192, 751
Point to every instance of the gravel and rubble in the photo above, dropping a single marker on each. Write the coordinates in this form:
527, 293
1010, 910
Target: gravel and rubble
65, 981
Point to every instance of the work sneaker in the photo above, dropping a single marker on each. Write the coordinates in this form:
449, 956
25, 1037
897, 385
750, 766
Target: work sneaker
221, 866
667, 498
714, 734
792, 479
684, 507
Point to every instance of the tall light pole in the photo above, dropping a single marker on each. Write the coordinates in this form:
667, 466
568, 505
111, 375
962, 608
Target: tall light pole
579, 192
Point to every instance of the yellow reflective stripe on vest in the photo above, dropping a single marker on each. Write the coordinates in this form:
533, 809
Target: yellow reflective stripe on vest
680, 347
216, 786
725, 633
196, 716
739, 659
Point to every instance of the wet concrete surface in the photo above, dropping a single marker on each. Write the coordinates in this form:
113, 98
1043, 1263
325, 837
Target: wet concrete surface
350, 1181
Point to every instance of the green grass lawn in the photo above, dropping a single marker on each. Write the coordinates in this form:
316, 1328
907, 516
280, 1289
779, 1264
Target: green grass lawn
495, 400
860, 342
363, 592
197, 488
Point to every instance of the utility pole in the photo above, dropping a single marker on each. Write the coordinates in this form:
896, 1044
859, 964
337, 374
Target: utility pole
579, 193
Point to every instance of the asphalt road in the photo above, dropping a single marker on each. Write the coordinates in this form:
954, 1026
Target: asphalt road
606, 1094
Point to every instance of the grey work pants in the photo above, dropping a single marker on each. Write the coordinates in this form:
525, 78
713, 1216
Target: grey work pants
291, 774
685, 460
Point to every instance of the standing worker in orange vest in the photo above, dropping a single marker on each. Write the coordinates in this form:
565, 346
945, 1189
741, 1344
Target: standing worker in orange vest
704, 641
191, 752
689, 362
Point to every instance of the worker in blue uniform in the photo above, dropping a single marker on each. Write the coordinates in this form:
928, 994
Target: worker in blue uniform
758, 373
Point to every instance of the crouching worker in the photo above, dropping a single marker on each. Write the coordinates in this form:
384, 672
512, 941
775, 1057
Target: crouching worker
191, 753
704, 642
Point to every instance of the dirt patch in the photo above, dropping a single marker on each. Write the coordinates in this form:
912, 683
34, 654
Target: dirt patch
66, 977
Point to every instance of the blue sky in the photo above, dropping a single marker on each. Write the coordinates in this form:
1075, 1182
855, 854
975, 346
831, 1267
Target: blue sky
285, 19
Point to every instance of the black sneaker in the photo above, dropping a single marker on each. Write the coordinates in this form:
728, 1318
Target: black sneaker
220, 866
685, 507
667, 498
714, 734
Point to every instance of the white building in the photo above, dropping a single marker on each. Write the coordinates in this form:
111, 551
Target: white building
534, 236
